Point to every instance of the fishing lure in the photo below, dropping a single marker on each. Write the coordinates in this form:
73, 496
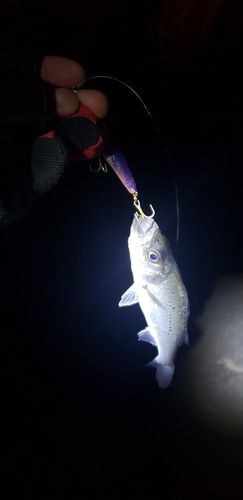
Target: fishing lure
108, 149
113, 155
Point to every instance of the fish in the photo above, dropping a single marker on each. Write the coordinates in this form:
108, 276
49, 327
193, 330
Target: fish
160, 292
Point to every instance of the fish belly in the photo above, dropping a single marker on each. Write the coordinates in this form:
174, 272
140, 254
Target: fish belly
165, 314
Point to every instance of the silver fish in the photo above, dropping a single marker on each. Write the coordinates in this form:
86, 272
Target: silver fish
160, 292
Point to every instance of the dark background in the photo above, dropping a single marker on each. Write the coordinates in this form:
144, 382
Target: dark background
78, 407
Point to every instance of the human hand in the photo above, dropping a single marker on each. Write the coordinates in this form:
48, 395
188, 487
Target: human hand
35, 98
65, 74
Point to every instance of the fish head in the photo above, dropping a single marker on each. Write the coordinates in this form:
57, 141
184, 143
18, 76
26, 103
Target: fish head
150, 252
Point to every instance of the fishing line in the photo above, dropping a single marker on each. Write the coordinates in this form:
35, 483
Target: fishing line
106, 77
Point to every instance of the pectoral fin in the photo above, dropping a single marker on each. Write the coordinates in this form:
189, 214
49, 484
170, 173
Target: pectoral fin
146, 336
129, 298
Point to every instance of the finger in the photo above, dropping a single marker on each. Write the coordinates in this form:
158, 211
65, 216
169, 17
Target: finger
95, 100
67, 102
62, 72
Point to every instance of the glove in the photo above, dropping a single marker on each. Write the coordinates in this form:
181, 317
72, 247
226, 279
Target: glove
76, 138
35, 145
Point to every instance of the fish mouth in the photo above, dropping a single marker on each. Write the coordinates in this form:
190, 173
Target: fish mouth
141, 227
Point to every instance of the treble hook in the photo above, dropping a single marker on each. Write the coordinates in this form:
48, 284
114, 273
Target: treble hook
102, 166
140, 212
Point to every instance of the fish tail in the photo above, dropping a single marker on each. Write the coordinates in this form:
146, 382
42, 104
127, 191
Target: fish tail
164, 373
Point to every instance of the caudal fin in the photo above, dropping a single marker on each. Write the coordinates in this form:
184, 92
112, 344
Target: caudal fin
164, 373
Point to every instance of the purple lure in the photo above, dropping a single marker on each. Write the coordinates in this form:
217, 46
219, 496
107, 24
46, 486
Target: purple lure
115, 158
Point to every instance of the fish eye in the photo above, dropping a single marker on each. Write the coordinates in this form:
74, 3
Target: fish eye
153, 255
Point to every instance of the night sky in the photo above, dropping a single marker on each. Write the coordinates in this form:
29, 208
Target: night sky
78, 407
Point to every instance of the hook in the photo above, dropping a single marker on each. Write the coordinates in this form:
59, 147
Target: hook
102, 166
140, 212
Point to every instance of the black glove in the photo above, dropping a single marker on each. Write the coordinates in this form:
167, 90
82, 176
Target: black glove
29, 165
